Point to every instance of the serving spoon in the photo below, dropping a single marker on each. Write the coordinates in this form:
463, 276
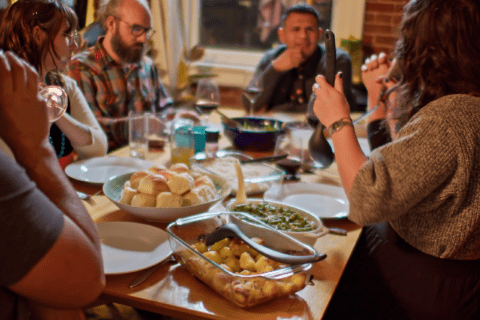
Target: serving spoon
228, 121
232, 230
319, 148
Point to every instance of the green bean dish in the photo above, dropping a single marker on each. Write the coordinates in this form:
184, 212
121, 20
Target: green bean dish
281, 218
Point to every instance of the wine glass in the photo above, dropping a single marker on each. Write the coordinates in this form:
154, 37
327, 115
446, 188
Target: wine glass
252, 92
292, 145
56, 100
207, 97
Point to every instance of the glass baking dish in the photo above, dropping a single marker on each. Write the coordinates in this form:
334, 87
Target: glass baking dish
258, 177
245, 290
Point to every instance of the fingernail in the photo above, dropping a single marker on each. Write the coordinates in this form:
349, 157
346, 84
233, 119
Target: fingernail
341, 75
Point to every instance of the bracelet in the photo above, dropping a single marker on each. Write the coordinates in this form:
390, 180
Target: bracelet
337, 125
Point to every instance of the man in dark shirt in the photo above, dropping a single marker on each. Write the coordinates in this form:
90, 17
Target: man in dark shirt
288, 71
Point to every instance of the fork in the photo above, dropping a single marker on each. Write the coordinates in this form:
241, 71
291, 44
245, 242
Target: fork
88, 198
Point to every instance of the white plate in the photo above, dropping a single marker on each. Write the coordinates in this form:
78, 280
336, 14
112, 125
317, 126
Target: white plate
131, 246
363, 142
322, 200
102, 169
113, 189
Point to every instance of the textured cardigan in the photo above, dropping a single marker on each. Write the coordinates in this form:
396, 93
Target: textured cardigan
426, 182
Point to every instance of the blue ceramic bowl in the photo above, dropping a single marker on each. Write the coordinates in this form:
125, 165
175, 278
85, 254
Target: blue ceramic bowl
256, 133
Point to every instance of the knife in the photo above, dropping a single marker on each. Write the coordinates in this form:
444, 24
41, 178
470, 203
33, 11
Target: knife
265, 159
140, 279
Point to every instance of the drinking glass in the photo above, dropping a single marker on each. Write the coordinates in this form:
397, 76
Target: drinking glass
252, 92
138, 133
292, 145
56, 100
207, 97
182, 142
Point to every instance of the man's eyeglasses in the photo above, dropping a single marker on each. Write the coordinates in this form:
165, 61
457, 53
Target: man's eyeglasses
138, 30
73, 37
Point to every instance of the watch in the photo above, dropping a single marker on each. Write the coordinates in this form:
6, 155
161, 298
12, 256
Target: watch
337, 125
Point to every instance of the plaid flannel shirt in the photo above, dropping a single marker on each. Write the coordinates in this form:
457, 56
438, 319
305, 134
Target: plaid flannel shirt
113, 89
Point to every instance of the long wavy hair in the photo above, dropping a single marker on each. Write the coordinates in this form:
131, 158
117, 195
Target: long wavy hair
437, 52
16, 29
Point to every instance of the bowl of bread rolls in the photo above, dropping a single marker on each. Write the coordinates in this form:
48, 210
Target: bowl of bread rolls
162, 194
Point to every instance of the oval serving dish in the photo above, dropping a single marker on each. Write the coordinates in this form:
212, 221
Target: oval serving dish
307, 237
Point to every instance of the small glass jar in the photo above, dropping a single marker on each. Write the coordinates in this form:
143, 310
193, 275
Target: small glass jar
211, 144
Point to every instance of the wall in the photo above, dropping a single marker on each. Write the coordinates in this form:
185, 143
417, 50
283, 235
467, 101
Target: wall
382, 18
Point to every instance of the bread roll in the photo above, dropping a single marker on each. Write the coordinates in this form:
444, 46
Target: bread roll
181, 183
137, 176
192, 198
157, 169
204, 180
208, 193
143, 200
167, 174
179, 168
127, 194
196, 174
153, 184
168, 200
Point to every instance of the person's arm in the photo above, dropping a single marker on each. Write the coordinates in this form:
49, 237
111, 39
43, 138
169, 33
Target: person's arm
116, 128
70, 274
81, 127
374, 73
330, 107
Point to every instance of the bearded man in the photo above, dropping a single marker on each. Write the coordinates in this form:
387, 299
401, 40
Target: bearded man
115, 75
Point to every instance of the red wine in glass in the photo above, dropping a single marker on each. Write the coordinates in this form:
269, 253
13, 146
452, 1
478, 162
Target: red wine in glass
206, 107
291, 167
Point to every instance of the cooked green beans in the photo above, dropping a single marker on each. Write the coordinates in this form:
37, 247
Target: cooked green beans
278, 217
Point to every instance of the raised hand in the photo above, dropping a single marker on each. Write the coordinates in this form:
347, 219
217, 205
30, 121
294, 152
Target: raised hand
330, 104
374, 72
23, 112
289, 59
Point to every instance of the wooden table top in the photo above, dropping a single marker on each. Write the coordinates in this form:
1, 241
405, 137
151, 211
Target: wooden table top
173, 291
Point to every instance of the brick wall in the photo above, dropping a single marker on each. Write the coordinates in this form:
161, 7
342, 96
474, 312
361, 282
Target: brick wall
382, 18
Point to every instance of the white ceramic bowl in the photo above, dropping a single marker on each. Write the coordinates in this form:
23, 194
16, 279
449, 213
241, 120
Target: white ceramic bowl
307, 237
113, 188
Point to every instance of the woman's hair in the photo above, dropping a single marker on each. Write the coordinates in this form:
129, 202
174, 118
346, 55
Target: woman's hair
16, 29
437, 53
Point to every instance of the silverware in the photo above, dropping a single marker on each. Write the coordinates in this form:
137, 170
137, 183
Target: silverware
265, 159
228, 121
232, 230
88, 198
140, 279
339, 231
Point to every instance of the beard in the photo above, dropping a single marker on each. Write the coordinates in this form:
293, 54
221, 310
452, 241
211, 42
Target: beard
128, 54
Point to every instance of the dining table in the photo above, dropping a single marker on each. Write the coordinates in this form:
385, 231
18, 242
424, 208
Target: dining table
172, 291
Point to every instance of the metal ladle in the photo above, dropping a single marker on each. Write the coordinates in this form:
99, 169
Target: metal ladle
319, 148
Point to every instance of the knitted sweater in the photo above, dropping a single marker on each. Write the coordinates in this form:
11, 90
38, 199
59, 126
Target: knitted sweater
426, 183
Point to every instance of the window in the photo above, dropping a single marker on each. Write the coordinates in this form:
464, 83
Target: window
235, 37
247, 24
